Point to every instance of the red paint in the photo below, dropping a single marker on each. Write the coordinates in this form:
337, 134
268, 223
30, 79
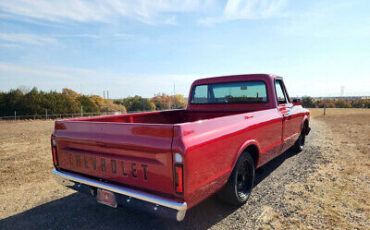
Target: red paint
210, 139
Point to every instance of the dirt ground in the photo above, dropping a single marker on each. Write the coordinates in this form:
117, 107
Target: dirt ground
324, 187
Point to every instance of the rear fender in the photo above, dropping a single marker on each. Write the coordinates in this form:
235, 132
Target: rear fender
243, 147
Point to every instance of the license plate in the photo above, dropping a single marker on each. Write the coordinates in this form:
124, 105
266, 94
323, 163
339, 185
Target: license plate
106, 197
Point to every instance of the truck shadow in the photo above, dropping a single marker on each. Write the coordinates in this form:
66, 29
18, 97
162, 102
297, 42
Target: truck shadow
75, 211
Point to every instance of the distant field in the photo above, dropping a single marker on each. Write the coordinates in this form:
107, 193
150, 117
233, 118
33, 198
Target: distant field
319, 112
353, 125
326, 186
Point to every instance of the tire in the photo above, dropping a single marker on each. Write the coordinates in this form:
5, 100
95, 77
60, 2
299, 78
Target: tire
299, 144
240, 184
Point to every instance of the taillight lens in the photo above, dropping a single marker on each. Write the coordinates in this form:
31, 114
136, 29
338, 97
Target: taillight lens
54, 150
179, 179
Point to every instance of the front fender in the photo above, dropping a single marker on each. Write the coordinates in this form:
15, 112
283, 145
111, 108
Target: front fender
306, 118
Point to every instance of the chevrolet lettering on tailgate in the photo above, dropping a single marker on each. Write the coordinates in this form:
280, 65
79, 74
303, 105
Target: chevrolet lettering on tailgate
101, 164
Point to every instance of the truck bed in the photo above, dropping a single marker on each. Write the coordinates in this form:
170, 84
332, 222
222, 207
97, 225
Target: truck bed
161, 117
131, 149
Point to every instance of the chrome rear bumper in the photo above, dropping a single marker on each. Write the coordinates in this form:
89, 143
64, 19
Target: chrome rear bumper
71, 180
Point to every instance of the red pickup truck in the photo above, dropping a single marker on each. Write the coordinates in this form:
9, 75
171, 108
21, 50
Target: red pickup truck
166, 162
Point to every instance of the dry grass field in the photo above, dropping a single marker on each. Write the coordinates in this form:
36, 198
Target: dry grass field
337, 194
327, 186
25, 164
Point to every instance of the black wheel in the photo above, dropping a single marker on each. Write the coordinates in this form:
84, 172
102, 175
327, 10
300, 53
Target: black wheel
240, 184
299, 144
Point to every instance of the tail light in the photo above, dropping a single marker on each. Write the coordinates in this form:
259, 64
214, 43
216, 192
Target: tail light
179, 179
54, 150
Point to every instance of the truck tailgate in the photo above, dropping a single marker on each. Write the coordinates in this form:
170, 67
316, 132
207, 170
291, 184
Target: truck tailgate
137, 155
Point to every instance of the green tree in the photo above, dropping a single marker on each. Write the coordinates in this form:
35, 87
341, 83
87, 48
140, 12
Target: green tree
361, 103
179, 101
30, 102
340, 103
2, 103
164, 101
161, 101
88, 105
106, 105
308, 102
70, 93
12, 102
137, 103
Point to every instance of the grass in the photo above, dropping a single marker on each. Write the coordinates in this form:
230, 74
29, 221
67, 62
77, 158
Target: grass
25, 159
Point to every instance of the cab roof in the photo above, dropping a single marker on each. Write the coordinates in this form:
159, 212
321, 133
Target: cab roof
231, 78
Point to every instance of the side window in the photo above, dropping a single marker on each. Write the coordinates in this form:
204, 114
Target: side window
200, 94
280, 92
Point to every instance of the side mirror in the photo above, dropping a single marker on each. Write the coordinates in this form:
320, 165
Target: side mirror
297, 101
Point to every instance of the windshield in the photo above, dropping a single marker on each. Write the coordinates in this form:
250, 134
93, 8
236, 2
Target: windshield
230, 92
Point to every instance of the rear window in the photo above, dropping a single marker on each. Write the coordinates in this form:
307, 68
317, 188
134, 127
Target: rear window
230, 92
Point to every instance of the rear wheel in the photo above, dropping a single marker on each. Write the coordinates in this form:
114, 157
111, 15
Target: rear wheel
239, 186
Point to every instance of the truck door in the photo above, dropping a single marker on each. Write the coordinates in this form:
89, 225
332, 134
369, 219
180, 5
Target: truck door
284, 107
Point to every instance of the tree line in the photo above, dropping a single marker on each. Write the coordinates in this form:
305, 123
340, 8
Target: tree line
310, 102
158, 102
38, 102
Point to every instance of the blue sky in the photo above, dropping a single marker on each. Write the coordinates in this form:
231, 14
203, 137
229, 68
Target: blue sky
145, 47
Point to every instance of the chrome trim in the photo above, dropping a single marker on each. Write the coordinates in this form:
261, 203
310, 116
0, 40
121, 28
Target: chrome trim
67, 179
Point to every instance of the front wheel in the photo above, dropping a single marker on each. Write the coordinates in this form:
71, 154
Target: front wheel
299, 144
239, 186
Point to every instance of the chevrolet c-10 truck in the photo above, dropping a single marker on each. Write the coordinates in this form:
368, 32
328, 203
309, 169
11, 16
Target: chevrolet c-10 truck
166, 162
